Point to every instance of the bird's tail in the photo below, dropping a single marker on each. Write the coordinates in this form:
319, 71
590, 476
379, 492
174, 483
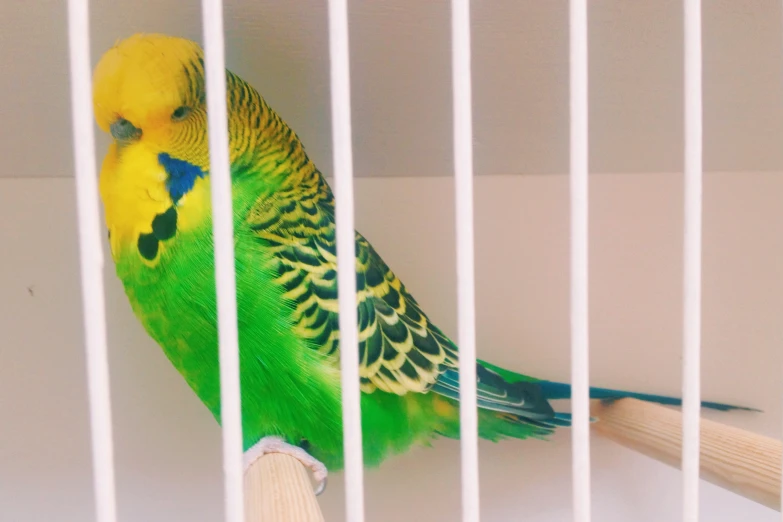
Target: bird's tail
560, 390
518, 406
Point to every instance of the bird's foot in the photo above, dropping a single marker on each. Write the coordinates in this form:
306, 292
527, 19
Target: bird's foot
277, 445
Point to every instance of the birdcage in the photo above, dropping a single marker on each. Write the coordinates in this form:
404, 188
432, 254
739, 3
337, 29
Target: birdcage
587, 193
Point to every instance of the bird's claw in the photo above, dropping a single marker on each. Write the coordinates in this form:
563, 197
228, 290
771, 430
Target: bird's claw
321, 486
277, 445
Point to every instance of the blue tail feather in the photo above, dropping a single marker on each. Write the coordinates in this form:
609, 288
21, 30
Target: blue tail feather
559, 390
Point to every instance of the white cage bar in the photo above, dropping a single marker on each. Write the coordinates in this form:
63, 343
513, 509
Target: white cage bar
580, 394
225, 276
91, 262
346, 258
691, 395
466, 300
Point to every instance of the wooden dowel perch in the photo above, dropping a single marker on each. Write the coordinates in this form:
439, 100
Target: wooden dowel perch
278, 489
734, 459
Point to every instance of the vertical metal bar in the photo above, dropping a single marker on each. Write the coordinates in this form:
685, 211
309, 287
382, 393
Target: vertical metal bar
463, 166
225, 276
579, 262
346, 259
692, 270
93, 306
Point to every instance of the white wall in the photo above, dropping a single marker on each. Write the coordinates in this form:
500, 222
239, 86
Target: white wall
168, 446
401, 79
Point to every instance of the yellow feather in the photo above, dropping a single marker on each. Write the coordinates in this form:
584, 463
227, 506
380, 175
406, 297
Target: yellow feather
133, 192
142, 79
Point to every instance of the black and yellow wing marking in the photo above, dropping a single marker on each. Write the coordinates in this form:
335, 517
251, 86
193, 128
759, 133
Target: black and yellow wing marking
400, 350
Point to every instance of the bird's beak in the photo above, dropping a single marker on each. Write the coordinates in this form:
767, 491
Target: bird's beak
125, 131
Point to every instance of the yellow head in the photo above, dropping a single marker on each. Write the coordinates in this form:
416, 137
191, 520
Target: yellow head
150, 88
149, 94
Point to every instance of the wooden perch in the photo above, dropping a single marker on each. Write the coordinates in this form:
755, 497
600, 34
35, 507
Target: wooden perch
734, 459
278, 489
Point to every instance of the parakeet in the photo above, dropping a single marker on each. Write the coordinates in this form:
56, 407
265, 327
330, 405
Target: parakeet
149, 94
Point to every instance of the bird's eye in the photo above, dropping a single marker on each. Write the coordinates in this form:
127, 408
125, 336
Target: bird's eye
180, 114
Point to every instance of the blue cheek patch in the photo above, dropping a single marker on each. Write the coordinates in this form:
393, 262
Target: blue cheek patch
182, 175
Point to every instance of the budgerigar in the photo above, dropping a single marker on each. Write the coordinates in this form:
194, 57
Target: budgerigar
149, 94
